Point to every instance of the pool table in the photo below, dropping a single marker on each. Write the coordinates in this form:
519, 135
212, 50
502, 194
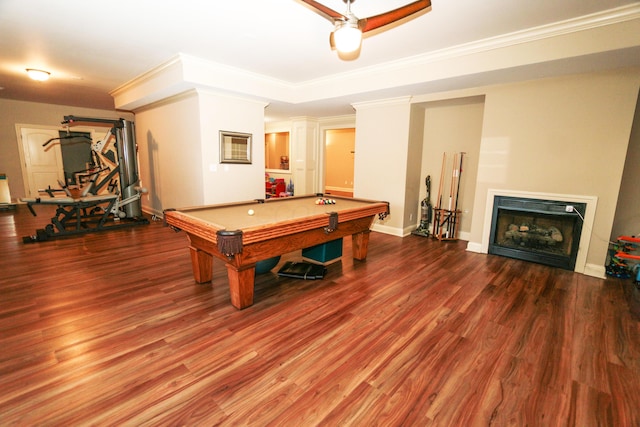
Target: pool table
243, 233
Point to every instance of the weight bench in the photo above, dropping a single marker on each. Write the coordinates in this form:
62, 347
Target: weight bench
77, 215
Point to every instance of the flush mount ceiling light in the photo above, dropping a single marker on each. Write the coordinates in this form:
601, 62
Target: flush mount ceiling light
347, 34
38, 75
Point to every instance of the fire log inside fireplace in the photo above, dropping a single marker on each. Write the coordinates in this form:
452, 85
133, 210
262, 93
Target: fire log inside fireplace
532, 236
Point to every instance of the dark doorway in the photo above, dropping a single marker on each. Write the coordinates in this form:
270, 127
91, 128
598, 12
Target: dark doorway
76, 155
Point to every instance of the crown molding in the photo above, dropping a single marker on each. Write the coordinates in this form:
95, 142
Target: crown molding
183, 72
401, 100
147, 76
529, 35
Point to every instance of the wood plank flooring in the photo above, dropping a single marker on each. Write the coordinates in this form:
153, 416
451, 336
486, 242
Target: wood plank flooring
110, 329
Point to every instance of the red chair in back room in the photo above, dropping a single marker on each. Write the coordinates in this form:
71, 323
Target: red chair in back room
281, 187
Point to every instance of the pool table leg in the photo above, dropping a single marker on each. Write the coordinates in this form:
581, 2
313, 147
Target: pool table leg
202, 265
241, 282
360, 245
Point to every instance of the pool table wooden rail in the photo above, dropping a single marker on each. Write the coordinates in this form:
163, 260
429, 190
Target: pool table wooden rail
269, 240
208, 230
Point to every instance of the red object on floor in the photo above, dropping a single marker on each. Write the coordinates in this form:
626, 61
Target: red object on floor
281, 187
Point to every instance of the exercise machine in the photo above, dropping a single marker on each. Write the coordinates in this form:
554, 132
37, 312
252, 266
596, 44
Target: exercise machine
110, 191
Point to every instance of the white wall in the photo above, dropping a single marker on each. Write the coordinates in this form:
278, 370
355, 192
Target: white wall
168, 136
627, 219
453, 126
566, 135
180, 151
563, 135
227, 182
380, 170
414, 179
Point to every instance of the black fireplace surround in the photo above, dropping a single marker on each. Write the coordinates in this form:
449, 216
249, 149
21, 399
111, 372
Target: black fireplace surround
542, 231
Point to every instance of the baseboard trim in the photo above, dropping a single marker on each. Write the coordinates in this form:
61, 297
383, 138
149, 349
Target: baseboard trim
385, 229
595, 270
475, 247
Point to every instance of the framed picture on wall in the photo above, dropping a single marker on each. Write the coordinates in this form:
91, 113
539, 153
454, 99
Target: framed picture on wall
235, 147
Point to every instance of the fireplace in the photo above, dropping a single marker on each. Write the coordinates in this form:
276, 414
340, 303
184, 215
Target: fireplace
543, 231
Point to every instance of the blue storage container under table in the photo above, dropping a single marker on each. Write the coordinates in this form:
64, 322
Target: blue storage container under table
325, 253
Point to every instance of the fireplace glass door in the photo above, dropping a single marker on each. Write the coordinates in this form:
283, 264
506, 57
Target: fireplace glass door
542, 231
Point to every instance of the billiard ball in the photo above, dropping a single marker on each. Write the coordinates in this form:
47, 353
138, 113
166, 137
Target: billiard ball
251, 212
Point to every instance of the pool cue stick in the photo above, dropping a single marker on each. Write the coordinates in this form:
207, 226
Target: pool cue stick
441, 183
451, 187
436, 222
454, 174
453, 179
455, 222
458, 180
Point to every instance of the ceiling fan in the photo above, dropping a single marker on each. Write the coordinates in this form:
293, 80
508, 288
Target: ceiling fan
347, 34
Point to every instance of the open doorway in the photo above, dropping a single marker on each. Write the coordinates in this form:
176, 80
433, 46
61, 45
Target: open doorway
339, 161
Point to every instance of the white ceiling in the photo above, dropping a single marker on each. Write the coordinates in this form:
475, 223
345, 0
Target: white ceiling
93, 47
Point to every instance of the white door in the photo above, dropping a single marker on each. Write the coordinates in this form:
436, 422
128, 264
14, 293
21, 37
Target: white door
43, 165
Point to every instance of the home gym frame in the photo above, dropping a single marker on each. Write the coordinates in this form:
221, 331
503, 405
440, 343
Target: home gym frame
111, 197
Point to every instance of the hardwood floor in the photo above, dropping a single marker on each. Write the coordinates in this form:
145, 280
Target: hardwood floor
110, 329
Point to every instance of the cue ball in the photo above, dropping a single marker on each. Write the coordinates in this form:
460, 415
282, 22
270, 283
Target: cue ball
250, 211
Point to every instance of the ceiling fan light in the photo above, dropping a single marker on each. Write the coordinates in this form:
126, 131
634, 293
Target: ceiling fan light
38, 75
347, 37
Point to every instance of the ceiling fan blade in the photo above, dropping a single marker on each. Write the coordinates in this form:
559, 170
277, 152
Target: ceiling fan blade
386, 18
324, 11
